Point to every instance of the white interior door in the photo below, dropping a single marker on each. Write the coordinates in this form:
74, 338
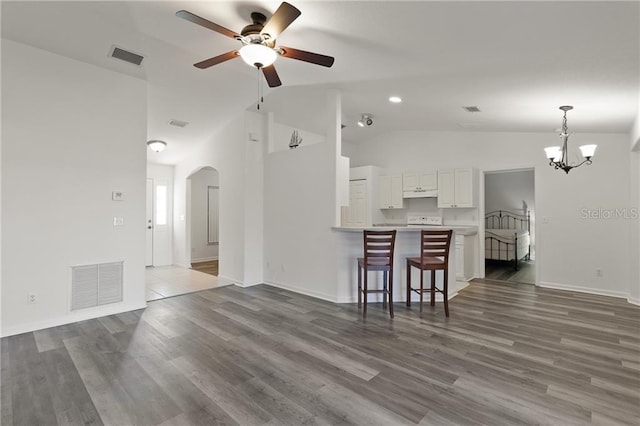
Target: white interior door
149, 224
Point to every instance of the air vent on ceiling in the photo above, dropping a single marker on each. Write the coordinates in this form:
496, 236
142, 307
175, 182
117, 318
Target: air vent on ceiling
472, 108
178, 123
125, 55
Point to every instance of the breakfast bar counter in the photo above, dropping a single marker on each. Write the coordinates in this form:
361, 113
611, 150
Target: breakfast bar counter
407, 245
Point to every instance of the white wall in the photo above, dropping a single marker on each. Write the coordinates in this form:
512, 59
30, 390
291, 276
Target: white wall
634, 229
163, 235
300, 249
201, 250
570, 248
72, 133
282, 137
238, 162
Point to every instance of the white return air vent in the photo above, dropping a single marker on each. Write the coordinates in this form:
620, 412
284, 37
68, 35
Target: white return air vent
95, 285
125, 55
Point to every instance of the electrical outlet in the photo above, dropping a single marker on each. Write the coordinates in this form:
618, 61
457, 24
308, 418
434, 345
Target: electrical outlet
32, 298
598, 272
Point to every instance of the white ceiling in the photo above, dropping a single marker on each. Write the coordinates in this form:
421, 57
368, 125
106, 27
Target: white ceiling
516, 61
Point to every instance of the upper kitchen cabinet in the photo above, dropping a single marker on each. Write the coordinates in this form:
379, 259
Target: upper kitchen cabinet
457, 188
390, 196
416, 182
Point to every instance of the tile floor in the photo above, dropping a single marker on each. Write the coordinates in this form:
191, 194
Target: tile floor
168, 281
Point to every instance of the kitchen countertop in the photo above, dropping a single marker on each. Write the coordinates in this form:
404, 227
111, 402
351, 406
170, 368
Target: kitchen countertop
458, 229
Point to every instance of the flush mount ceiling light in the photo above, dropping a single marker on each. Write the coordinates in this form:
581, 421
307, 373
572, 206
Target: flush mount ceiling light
395, 99
156, 145
558, 156
366, 120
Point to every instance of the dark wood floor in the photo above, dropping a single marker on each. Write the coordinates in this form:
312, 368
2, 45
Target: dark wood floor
509, 354
498, 270
209, 267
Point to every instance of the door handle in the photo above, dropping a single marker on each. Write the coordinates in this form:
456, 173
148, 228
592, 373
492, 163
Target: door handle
149, 227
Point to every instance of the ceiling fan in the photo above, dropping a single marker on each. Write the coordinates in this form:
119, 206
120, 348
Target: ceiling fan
259, 42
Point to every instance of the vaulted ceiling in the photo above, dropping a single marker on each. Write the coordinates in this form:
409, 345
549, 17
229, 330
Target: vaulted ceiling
517, 61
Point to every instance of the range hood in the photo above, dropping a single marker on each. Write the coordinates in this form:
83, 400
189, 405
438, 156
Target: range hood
425, 193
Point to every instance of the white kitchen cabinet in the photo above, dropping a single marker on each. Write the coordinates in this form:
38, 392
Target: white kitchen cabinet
464, 257
422, 181
390, 192
356, 213
457, 188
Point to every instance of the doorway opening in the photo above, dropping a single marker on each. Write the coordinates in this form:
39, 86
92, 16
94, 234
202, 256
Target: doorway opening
204, 210
509, 225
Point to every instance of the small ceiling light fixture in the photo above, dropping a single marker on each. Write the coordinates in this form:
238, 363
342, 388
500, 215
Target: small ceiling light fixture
156, 145
558, 156
258, 55
395, 99
366, 120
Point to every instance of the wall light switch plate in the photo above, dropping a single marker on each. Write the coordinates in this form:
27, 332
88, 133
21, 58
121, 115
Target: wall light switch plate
118, 221
117, 196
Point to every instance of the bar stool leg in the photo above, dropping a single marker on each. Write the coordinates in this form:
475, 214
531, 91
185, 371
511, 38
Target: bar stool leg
359, 286
390, 294
385, 280
408, 283
421, 288
433, 287
364, 292
445, 293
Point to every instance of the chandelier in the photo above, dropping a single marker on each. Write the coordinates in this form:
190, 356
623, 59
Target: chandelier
558, 156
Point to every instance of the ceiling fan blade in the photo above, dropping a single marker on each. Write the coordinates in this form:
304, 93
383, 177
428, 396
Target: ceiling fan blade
216, 60
207, 24
280, 20
271, 76
301, 55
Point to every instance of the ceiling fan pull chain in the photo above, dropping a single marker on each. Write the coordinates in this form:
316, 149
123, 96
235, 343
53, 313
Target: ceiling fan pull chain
259, 89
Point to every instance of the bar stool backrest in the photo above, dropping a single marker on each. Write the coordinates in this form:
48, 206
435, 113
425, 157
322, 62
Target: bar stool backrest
435, 244
379, 247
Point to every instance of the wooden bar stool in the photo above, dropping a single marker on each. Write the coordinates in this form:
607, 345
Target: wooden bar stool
434, 256
378, 256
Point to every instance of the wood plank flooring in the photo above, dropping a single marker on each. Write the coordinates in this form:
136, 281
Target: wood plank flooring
497, 270
208, 267
509, 354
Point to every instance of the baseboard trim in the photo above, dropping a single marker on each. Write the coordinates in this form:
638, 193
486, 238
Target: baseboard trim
586, 290
224, 280
204, 259
352, 298
70, 319
304, 291
633, 301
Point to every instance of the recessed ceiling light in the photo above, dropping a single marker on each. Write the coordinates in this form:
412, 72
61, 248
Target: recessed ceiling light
395, 99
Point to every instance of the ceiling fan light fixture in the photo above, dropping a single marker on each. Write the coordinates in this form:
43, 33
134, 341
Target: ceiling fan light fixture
258, 55
156, 145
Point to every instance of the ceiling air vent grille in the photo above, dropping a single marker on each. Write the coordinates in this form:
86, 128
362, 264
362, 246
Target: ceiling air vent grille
125, 55
472, 109
178, 123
